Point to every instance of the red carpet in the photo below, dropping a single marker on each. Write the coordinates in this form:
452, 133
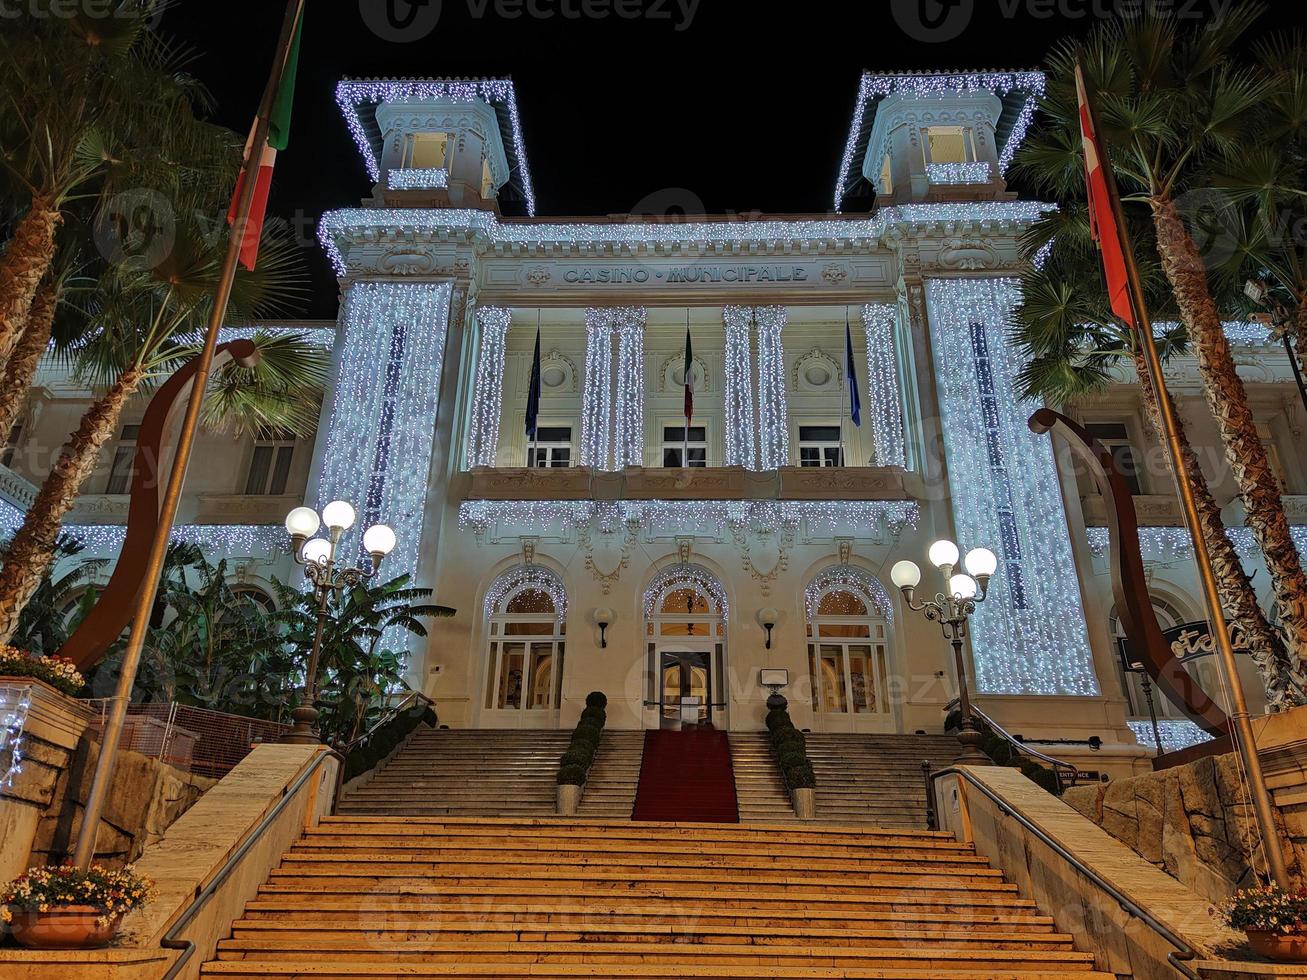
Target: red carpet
686, 776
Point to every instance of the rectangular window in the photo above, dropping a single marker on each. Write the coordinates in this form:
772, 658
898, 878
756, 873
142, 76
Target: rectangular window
124, 458
949, 144
553, 447
269, 467
819, 445
1115, 438
676, 446
426, 150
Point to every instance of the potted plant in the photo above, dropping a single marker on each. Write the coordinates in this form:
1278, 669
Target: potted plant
65, 907
58, 672
1274, 920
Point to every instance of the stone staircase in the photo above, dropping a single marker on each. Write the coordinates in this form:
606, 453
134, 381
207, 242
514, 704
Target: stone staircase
759, 787
440, 772
610, 788
875, 779
387, 896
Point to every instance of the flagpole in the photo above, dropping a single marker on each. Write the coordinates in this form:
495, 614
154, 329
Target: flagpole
1239, 716
535, 429
113, 729
685, 379
848, 402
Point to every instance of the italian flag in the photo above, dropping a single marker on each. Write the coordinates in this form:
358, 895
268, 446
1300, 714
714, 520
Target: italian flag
278, 139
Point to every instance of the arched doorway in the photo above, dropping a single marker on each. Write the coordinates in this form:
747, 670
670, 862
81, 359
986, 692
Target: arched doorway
685, 610
526, 630
849, 620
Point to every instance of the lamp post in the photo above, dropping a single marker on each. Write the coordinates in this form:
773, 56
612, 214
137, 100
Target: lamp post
952, 609
318, 556
1132, 666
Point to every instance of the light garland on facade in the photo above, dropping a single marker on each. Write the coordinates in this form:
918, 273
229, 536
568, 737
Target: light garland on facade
1030, 636
484, 225
628, 412
978, 172
612, 409
927, 85
1172, 544
538, 516
884, 395
488, 387
352, 93
417, 179
529, 578
1177, 733
15, 703
863, 583
379, 436
773, 409
1241, 333
597, 392
696, 577
741, 427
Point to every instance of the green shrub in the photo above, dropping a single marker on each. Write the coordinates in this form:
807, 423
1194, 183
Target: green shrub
596, 699
778, 718
801, 776
571, 775
588, 731
790, 758
788, 736
595, 716
582, 754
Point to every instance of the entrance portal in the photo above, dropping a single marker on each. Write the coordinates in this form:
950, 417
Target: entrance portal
686, 689
685, 649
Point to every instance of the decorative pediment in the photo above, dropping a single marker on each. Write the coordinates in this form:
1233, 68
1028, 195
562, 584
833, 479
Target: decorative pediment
817, 371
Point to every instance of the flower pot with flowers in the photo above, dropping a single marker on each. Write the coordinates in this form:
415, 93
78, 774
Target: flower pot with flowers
67, 908
59, 672
1274, 920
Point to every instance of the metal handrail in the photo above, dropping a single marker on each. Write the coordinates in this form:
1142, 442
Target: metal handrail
1016, 743
170, 939
1184, 952
386, 719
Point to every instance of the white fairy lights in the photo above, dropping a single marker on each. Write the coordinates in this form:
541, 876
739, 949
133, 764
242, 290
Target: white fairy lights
863, 583
379, 435
527, 578
15, 703
612, 409
352, 93
488, 387
681, 575
927, 85
597, 395
361, 225
417, 179
978, 172
773, 411
1177, 733
1172, 544
741, 428
1030, 637
884, 395
628, 412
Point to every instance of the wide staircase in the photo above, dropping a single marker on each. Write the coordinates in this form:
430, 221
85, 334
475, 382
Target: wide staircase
387, 896
876, 779
759, 787
439, 772
610, 787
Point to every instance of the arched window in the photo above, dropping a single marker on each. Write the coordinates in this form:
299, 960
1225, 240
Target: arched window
526, 608
686, 611
849, 617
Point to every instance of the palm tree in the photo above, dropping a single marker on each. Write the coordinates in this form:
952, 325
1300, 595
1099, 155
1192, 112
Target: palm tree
1175, 105
143, 329
91, 102
1075, 347
47, 620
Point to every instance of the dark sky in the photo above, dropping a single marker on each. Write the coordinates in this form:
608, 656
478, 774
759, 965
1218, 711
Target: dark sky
742, 106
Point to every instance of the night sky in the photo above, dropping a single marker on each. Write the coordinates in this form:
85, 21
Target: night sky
745, 107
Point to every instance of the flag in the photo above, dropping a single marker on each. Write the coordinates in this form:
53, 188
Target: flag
1102, 219
689, 386
278, 139
851, 371
533, 394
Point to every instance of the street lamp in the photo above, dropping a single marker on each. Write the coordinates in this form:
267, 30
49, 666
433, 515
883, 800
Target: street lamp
1131, 665
951, 610
318, 556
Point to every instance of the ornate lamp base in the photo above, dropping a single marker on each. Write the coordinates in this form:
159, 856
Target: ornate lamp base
305, 731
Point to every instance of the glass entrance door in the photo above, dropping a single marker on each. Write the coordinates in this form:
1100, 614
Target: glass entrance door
685, 689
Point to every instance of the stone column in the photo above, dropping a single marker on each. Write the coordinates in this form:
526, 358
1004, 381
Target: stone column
597, 396
488, 387
773, 410
741, 432
628, 413
884, 393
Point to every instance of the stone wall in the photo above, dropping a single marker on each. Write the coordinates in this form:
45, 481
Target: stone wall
1193, 821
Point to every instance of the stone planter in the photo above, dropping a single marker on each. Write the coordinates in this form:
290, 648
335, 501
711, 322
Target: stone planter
66, 927
1291, 948
569, 798
805, 803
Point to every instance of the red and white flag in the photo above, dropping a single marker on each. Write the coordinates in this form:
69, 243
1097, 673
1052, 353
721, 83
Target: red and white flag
1102, 219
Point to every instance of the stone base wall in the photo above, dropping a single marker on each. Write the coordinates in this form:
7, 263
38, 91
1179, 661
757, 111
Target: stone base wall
1193, 821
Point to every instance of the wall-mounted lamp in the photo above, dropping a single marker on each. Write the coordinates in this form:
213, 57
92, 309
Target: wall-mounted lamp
767, 620
603, 619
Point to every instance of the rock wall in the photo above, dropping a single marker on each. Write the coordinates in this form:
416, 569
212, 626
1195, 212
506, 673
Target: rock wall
1193, 821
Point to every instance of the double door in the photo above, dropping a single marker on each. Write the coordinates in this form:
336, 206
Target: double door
685, 688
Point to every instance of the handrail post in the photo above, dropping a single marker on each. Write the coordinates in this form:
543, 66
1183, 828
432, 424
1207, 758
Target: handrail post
932, 818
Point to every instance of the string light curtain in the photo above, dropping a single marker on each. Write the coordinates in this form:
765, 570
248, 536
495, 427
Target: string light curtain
773, 409
884, 393
741, 428
488, 387
612, 408
1030, 637
383, 416
597, 396
628, 412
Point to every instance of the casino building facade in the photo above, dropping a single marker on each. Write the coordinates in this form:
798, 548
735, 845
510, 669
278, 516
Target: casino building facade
666, 565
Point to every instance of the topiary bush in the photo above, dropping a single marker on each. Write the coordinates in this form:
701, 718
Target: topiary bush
574, 766
801, 776
572, 775
1001, 751
791, 750
385, 739
596, 699
596, 715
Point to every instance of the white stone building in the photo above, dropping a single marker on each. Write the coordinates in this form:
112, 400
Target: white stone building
788, 512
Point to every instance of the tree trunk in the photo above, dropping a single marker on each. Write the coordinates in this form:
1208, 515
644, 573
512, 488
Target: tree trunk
32, 548
1283, 676
18, 373
1228, 401
24, 264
